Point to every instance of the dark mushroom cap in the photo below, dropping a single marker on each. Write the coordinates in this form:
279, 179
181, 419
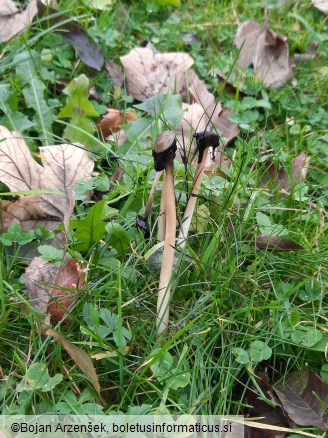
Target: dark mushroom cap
164, 149
204, 140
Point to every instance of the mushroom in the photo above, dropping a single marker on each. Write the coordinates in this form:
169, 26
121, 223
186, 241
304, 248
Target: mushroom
164, 153
203, 141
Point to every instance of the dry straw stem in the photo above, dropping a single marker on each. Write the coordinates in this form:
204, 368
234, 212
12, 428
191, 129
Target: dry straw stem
164, 153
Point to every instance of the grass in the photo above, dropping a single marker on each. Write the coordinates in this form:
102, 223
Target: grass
227, 293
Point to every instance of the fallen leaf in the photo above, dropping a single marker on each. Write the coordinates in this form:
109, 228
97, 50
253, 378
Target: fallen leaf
189, 39
201, 95
277, 177
67, 281
300, 165
115, 73
80, 357
308, 55
53, 290
304, 396
113, 120
118, 137
322, 5
89, 52
216, 166
62, 165
276, 243
13, 20
193, 120
229, 86
37, 275
227, 130
259, 408
149, 74
266, 51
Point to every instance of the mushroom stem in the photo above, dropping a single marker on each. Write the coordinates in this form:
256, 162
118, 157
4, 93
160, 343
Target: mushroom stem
162, 217
164, 290
204, 140
164, 153
191, 204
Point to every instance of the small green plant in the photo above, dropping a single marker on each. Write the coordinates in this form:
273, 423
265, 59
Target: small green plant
257, 352
105, 324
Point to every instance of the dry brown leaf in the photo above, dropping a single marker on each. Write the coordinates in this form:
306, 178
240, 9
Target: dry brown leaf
113, 120
62, 165
227, 130
115, 73
229, 86
269, 414
149, 74
193, 120
52, 289
80, 357
206, 100
276, 243
37, 275
216, 166
67, 281
13, 20
304, 397
308, 55
278, 177
322, 5
266, 51
118, 137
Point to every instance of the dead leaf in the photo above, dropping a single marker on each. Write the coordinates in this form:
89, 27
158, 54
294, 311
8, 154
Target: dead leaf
149, 74
228, 85
300, 165
259, 408
215, 167
80, 357
304, 396
63, 294
89, 52
118, 137
52, 289
322, 5
62, 166
189, 38
276, 243
308, 55
113, 120
278, 178
201, 95
14, 20
37, 275
193, 120
115, 73
227, 130
266, 51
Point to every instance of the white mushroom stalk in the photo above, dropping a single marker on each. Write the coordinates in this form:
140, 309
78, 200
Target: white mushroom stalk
164, 153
